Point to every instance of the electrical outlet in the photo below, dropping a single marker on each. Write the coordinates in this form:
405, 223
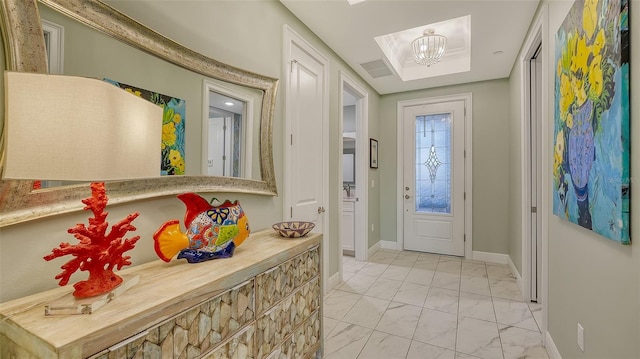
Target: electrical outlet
371, 227
580, 337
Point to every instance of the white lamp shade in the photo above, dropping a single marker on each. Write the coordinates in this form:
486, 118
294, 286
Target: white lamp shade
78, 129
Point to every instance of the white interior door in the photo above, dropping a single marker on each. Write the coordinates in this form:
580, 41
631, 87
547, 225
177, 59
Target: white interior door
434, 185
306, 184
306, 137
217, 147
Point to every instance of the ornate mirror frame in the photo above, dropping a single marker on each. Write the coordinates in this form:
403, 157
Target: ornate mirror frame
25, 51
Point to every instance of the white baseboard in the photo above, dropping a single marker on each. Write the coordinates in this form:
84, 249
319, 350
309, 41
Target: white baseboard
333, 282
516, 274
491, 257
390, 245
552, 350
373, 249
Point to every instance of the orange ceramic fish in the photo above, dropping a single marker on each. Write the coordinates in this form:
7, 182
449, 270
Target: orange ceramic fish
212, 231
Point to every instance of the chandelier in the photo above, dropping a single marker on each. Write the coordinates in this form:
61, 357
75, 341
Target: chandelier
429, 48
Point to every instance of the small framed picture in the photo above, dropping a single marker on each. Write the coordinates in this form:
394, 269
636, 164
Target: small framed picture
373, 153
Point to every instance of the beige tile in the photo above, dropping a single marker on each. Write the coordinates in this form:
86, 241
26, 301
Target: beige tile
506, 289
419, 350
437, 328
396, 272
385, 346
366, 312
446, 280
514, 313
443, 300
420, 276
328, 324
373, 269
521, 343
384, 288
400, 319
476, 306
474, 284
450, 266
358, 283
478, 338
474, 269
346, 341
384, 257
338, 303
411, 293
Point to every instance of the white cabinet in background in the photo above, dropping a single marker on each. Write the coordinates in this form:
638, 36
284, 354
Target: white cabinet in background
348, 225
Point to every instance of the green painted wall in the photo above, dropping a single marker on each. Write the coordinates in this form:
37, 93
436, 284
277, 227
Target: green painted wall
592, 280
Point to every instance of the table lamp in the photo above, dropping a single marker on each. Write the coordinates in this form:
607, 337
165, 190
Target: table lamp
82, 129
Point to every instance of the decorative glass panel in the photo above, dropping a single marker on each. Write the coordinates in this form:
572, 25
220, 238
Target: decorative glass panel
433, 163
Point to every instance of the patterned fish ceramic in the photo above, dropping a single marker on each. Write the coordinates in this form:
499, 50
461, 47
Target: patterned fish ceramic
212, 231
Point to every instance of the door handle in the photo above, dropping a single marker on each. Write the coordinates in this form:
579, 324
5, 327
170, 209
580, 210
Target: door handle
321, 210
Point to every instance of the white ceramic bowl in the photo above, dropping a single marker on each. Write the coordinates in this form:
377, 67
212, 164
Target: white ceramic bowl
294, 229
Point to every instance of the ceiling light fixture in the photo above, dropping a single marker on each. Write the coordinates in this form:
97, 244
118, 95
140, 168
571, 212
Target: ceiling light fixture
429, 48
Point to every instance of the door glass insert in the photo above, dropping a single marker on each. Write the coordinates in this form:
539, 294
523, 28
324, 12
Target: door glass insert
433, 163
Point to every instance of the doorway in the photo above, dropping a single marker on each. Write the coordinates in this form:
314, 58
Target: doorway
532, 210
226, 130
353, 198
434, 175
535, 164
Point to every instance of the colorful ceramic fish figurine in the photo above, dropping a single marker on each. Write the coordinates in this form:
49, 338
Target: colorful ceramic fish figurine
212, 231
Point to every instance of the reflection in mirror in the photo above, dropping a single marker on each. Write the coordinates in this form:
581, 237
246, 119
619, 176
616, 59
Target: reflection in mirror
24, 47
226, 131
54, 45
90, 53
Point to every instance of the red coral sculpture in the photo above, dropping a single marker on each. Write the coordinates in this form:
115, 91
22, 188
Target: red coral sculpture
97, 252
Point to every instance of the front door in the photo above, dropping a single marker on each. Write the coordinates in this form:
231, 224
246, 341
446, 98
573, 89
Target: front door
434, 182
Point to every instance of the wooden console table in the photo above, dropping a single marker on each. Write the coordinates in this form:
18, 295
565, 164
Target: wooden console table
264, 302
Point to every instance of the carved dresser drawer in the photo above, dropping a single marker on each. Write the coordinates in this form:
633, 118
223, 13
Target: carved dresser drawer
290, 307
193, 332
265, 301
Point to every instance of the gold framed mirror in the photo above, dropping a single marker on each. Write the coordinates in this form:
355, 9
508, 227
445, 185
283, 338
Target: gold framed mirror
24, 49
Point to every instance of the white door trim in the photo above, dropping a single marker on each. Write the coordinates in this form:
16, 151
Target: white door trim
530, 46
362, 167
468, 134
539, 32
291, 37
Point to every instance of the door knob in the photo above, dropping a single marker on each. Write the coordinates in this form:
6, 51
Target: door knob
406, 196
406, 188
321, 210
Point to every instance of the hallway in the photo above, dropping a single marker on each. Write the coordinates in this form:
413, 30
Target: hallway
421, 305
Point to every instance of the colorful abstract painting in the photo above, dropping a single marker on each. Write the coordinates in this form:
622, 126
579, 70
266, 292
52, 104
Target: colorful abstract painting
173, 121
591, 183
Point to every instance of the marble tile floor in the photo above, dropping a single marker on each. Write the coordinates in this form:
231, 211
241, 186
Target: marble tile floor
411, 305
